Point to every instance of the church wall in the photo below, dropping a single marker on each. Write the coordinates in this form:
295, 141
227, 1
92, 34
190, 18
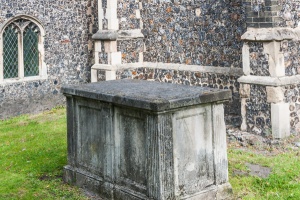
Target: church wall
68, 52
203, 33
194, 34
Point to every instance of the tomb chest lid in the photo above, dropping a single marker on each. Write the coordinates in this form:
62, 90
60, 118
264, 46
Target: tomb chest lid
148, 95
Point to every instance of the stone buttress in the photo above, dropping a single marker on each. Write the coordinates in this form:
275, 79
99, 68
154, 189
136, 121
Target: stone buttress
270, 86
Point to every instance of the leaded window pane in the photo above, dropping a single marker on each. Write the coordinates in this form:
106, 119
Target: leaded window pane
30, 50
10, 52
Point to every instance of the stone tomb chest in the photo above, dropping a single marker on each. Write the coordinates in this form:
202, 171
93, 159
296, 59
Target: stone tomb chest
131, 139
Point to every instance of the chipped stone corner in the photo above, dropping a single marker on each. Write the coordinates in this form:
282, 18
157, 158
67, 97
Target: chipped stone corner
244, 90
275, 94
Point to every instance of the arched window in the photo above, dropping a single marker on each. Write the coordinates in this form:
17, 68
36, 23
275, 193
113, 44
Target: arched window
22, 49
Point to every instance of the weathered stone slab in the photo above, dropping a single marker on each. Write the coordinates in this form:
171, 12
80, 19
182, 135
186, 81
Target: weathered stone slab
106, 35
147, 95
131, 139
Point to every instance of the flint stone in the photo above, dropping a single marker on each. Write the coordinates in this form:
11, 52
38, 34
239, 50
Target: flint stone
132, 139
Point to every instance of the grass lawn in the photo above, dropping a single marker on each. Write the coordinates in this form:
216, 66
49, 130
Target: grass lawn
33, 153
283, 183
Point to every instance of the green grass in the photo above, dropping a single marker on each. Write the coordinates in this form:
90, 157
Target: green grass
33, 153
282, 184
32, 156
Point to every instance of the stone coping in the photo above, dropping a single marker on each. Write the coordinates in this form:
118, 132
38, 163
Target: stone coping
148, 95
130, 34
113, 35
172, 66
270, 81
106, 35
271, 34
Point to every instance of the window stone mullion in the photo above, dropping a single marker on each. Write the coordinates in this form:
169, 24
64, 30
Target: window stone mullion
21, 60
1, 58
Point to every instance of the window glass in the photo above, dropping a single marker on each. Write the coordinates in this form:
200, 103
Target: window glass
30, 50
10, 52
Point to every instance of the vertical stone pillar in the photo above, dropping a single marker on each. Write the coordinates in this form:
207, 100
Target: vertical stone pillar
264, 107
245, 95
114, 47
280, 113
1, 64
106, 41
97, 50
111, 15
220, 145
275, 58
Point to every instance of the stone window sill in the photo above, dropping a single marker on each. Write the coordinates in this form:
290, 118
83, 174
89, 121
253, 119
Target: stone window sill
20, 80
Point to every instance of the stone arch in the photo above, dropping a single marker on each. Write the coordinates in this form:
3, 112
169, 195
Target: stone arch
27, 17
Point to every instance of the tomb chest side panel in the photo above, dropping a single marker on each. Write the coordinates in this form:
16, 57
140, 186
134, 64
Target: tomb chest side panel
94, 137
131, 149
193, 150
